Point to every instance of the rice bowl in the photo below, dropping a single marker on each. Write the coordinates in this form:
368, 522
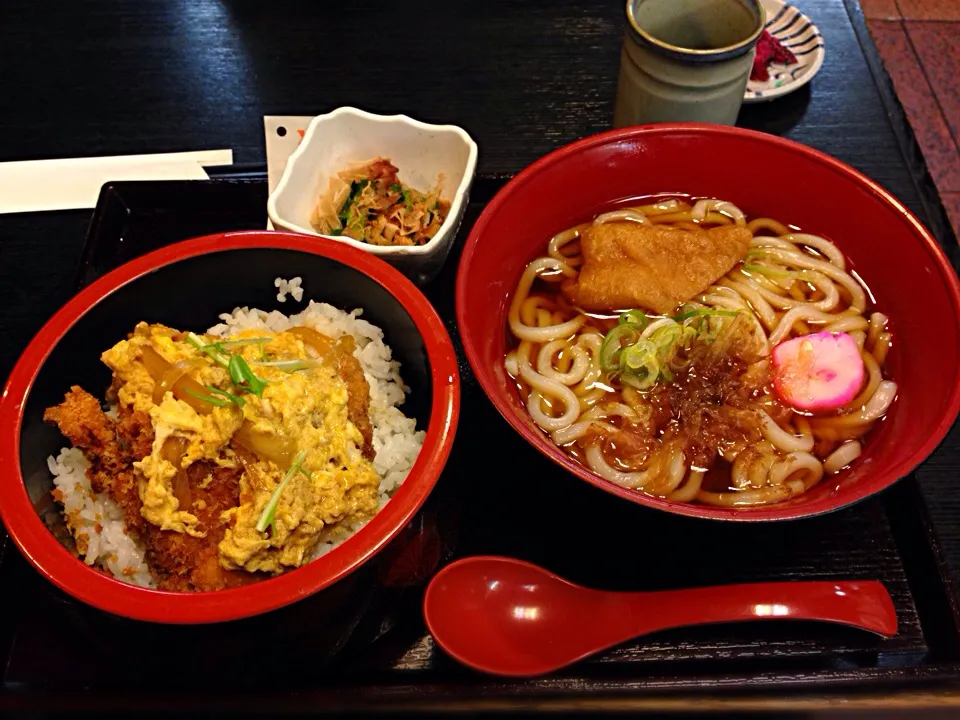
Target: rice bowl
211, 274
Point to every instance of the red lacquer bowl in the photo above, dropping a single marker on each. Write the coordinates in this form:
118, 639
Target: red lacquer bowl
188, 285
897, 257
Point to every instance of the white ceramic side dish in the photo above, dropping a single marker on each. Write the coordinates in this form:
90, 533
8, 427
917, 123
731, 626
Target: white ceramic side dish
420, 151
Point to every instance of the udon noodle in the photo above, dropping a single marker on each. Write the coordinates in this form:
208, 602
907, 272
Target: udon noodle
743, 446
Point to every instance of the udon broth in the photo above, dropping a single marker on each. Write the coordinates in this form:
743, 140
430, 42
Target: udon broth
709, 427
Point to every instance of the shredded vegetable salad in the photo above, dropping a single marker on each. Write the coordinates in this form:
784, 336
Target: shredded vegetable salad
367, 202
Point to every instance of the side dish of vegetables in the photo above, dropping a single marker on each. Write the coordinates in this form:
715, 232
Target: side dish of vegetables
368, 202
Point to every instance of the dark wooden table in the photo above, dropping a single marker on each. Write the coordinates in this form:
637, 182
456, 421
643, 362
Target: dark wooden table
97, 77
101, 78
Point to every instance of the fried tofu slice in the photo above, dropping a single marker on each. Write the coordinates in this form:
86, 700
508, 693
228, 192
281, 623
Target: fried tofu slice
627, 265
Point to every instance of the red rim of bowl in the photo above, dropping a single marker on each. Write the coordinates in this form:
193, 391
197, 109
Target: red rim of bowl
71, 575
492, 388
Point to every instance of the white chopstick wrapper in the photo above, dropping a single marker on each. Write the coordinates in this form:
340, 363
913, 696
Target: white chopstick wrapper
281, 137
74, 183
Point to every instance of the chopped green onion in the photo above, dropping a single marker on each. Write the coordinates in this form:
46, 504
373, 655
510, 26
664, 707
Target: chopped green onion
641, 361
242, 375
706, 312
666, 336
635, 356
769, 271
218, 397
270, 510
218, 357
707, 331
635, 317
613, 343
207, 398
235, 399
239, 370
221, 346
234, 368
726, 334
348, 212
291, 365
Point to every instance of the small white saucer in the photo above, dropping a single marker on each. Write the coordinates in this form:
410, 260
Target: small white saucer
799, 35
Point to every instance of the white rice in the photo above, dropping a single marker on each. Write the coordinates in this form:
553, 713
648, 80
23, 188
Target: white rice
289, 286
395, 437
96, 521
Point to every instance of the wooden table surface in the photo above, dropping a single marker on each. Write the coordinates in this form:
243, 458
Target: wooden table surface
99, 77
96, 77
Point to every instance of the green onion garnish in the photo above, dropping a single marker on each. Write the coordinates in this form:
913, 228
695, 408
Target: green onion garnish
243, 376
621, 336
641, 361
219, 402
291, 365
218, 397
634, 317
270, 510
769, 271
239, 370
706, 312
234, 368
224, 345
235, 399
218, 357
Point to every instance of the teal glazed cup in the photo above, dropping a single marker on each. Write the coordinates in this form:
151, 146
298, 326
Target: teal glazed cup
686, 60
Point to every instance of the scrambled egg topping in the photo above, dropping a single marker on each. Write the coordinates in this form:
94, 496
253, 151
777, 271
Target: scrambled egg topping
300, 412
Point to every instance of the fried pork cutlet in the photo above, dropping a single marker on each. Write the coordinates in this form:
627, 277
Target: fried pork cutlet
187, 563
178, 561
358, 395
83, 422
627, 265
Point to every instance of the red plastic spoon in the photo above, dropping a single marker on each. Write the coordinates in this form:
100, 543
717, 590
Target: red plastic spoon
508, 617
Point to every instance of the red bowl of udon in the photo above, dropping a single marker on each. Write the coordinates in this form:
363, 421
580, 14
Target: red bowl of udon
628, 301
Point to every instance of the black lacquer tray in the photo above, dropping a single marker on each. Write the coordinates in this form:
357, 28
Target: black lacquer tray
499, 496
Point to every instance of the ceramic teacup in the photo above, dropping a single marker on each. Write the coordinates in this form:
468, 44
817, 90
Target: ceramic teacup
686, 60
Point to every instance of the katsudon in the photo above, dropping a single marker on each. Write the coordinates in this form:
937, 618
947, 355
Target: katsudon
221, 458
